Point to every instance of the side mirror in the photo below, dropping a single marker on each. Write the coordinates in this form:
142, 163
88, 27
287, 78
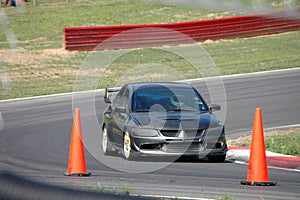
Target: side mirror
214, 107
120, 109
106, 96
106, 99
109, 91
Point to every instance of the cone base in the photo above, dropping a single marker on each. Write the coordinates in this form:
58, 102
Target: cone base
254, 183
77, 174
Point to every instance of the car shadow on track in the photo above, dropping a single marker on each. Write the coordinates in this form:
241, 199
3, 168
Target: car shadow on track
176, 159
197, 160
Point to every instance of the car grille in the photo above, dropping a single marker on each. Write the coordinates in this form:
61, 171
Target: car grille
194, 133
188, 133
183, 147
169, 133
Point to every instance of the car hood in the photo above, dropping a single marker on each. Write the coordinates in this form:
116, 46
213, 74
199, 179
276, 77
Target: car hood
175, 120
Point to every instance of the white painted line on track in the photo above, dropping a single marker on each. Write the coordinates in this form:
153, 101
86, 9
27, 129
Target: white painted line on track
282, 127
242, 75
171, 197
276, 128
271, 167
50, 95
189, 80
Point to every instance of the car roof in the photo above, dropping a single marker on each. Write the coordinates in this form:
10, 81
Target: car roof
135, 86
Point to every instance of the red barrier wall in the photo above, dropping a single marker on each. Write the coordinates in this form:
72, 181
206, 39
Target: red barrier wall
88, 38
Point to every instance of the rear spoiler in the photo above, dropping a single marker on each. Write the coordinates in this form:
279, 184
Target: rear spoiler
107, 92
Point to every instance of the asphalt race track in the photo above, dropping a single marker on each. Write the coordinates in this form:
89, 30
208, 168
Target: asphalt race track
35, 136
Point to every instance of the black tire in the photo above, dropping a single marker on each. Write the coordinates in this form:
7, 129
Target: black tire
217, 158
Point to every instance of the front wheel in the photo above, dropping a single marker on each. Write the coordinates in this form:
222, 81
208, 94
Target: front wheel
105, 143
127, 151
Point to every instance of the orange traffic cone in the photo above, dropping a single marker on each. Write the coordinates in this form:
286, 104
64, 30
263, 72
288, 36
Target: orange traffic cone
76, 165
257, 169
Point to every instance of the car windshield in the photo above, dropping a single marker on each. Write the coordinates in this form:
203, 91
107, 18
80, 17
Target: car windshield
167, 99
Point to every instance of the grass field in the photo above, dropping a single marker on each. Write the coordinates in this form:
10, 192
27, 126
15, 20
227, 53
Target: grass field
39, 65
284, 142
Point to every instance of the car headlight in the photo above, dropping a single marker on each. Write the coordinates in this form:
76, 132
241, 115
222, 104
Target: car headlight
142, 132
215, 137
215, 131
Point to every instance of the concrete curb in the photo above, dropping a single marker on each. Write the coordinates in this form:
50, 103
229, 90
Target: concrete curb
274, 160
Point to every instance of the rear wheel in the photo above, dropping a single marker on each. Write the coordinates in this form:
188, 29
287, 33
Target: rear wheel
217, 158
127, 151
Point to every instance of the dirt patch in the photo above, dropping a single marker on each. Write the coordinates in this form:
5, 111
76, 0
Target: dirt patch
23, 57
49, 63
281, 3
179, 16
211, 42
217, 15
216, 41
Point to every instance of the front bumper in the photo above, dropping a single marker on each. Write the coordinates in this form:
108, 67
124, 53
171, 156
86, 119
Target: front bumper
156, 146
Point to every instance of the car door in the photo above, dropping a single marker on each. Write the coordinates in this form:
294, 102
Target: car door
121, 117
113, 124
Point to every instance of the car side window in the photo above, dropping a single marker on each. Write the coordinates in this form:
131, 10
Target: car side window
124, 101
118, 98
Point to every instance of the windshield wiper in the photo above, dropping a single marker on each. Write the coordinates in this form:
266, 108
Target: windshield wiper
182, 109
141, 110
